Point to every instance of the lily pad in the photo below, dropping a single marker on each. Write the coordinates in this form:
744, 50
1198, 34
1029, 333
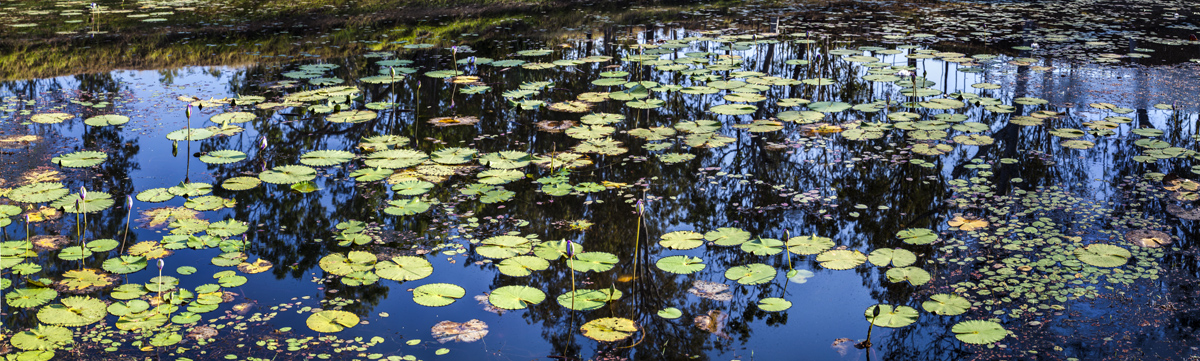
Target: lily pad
404, 268
680, 264
841, 259
979, 332
288, 174
587, 300
74, 312
774, 304
224, 156
322, 158
682, 240
437, 294
727, 236
946, 304
80, 159
897, 257
504, 247
893, 317
751, 274
592, 262
1103, 255
521, 266
516, 297
809, 245
329, 321
609, 329
913, 275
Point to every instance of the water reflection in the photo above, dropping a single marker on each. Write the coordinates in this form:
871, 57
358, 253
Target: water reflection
813, 186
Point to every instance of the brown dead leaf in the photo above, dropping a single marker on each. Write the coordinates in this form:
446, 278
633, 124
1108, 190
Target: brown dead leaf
469, 331
711, 290
713, 322
967, 224
1148, 238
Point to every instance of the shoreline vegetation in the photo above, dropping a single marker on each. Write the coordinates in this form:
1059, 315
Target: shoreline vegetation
249, 36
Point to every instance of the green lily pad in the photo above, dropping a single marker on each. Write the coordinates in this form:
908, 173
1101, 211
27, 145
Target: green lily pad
917, 236
329, 321
146, 320
437, 294
43, 337
682, 240
809, 245
680, 264
1103, 255
946, 304
95, 202
913, 275
404, 268
841, 259
50, 118
979, 332
354, 261
516, 297
395, 158
587, 300
352, 116
240, 183
74, 312
323, 158
727, 236
774, 304
751, 274
504, 247
456, 155
507, 159
106, 120
896, 317
406, 207
553, 250
125, 264
38, 192
733, 109
897, 257
288, 174
670, 313
609, 329
763, 246
80, 159
190, 134
592, 262
30, 297
224, 156
155, 195
521, 266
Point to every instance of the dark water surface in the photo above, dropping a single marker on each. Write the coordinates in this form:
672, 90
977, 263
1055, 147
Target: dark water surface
1059, 132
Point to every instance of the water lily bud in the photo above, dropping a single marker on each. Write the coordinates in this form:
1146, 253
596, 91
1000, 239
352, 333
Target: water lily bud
83, 193
161, 264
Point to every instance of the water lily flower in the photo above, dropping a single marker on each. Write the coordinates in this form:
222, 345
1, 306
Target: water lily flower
1035, 46
904, 73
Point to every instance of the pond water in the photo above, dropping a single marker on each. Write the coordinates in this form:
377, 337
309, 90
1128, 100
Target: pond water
729, 181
